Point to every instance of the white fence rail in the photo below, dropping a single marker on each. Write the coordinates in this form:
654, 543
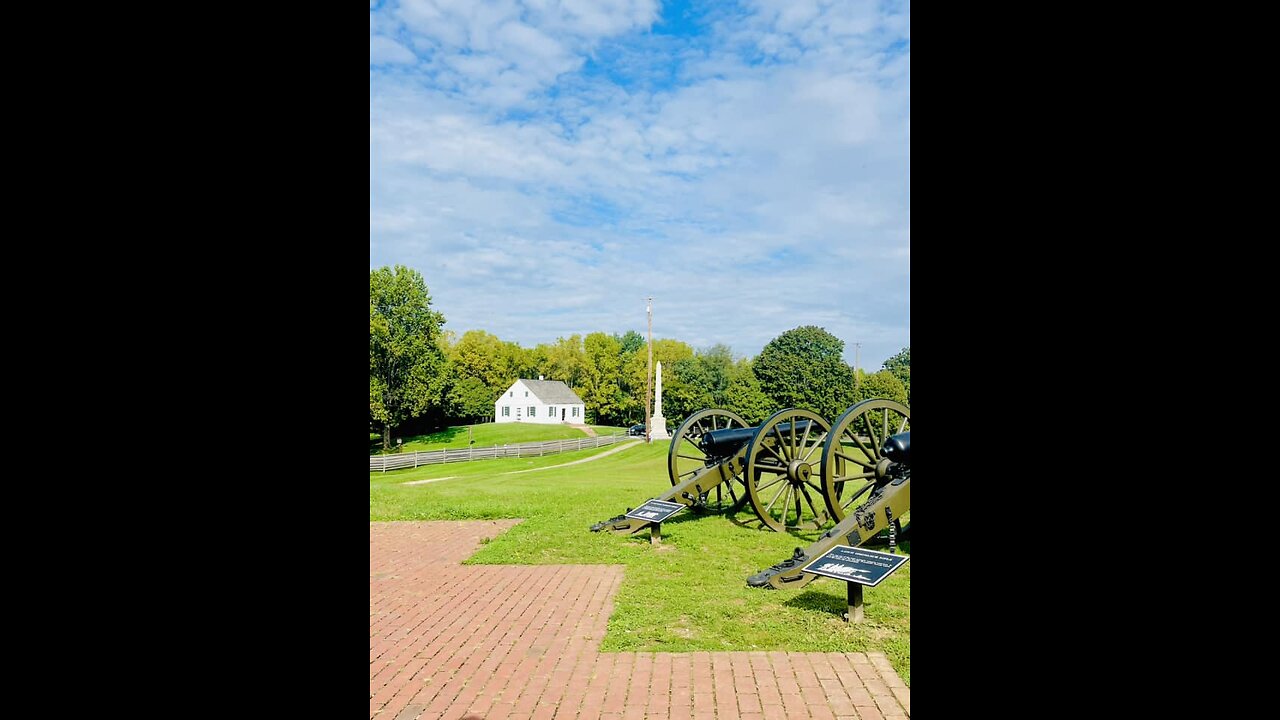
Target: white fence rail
383, 463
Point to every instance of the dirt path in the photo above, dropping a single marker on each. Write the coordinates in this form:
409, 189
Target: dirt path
606, 453
423, 482
590, 431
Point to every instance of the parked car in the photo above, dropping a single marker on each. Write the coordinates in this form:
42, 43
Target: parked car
638, 430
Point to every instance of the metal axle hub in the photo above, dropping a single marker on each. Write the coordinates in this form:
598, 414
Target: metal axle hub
798, 471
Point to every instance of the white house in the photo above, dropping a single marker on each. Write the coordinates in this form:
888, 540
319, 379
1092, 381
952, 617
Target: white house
539, 401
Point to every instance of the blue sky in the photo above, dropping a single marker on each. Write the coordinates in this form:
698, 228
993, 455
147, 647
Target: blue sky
549, 164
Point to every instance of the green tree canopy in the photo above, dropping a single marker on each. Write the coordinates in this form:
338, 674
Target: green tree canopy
635, 371
688, 390
563, 360
405, 360
601, 392
484, 357
717, 365
744, 396
470, 399
700, 382
480, 367
900, 366
630, 341
804, 368
883, 384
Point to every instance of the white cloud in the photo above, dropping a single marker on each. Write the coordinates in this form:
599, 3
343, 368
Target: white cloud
384, 50
541, 198
503, 51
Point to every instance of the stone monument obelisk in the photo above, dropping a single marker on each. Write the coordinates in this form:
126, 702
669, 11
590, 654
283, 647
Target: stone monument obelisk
659, 423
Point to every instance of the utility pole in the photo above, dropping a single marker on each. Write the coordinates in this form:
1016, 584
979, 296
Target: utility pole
648, 377
857, 366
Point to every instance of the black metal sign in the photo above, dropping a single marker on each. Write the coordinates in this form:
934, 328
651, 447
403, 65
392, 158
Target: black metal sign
853, 564
655, 511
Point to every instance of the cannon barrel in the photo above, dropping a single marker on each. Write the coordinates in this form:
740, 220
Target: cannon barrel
723, 443
898, 448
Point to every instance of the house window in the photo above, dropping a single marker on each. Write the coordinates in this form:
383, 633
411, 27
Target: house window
506, 411
532, 410
551, 411
575, 411
513, 393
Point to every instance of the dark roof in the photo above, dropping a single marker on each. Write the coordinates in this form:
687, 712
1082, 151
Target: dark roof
552, 391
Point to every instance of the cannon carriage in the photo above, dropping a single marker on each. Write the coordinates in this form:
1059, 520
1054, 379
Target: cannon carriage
887, 499
797, 470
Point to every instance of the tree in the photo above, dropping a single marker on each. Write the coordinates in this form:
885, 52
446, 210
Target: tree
900, 366
636, 367
688, 391
744, 396
804, 368
700, 382
405, 360
484, 357
470, 399
630, 406
717, 365
630, 342
883, 384
564, 360
601, 394
526, 361
481, 367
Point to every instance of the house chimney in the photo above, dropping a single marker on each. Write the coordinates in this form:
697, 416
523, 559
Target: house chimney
539, 377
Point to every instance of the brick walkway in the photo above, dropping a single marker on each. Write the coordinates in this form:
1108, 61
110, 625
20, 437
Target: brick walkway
521, 642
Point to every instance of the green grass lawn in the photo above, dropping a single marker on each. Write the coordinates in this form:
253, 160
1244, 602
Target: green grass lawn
687, 594
488, 435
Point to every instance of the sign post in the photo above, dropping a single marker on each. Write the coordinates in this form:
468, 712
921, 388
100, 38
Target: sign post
655, 511
857, 567
854, 614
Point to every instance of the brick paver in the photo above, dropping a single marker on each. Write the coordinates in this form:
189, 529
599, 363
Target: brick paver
522, 642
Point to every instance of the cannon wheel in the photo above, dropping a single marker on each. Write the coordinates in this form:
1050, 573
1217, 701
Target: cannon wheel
685, 457
782, 466
851, 458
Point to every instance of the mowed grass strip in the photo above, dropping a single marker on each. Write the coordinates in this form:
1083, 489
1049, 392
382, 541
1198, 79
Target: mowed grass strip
690, 592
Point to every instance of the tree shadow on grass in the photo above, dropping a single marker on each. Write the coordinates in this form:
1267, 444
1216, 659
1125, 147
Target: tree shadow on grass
440, 437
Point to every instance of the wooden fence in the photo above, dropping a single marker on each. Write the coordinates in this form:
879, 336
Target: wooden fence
383, 463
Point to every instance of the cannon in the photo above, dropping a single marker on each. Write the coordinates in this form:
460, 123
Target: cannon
795, 468
716, 449
866, 473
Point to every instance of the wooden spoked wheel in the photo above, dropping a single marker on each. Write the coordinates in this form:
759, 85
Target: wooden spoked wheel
782, 475
685, 457
852, 462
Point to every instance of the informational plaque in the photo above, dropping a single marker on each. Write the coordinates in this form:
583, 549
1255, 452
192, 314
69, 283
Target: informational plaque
655, 511
857, 565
